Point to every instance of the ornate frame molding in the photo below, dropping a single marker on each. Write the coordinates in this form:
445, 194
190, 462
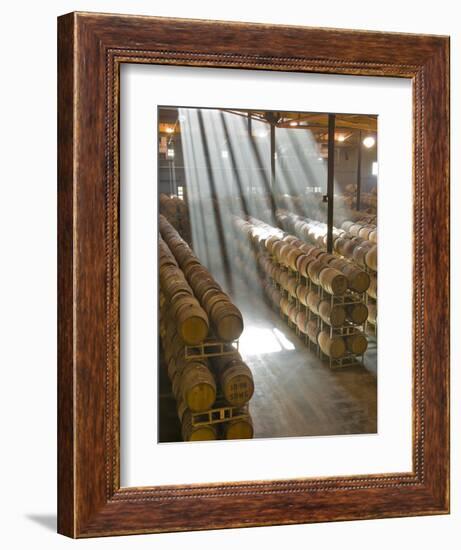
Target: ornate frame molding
91, 49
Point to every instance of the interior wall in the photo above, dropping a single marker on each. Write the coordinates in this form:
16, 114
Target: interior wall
346, 168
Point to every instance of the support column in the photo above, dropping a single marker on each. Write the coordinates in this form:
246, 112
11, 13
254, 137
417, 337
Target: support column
273, 174
272, 126
330, 180
359, 171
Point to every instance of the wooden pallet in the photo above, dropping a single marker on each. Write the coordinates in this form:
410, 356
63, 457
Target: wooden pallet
219, 415
349, 360
211, 348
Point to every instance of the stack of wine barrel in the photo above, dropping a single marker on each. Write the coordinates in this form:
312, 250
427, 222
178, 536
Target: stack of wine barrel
199, 331
365, 234
321, 295
348, 198
176, 212
311, 204
369, 201
356, 241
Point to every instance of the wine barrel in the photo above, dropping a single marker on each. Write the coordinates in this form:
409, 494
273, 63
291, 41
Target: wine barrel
313, 300
354, 229
196, 274
176, 345
357, 313
277, 273
359, 253
192, 323
281, 252
358, 279
172, 341
227, 321
171, 368
239, 428
321, 256
181, 408
301, 321
204, 432
197, 387
166, 260
373, 288
315, 252
193, 268
276, 248
284, 278
372, 313
204, 285
348, 248
291, 311
312, 330
314, 269
175, 285
334, 347
333, 281
188, 262
210, 296
235, 378
272, 269
292, 257
181, 295
356, 343
176, 386
334, 315
181, 362
210, 299
347, 225
291, 286
320, 238
364, 232
300, 245
302, 263
338, 245
371, 258
301, 294
270, 242
176, 304
306, 248
284, 304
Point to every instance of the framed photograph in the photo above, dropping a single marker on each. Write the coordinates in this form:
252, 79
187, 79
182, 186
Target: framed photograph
222, 360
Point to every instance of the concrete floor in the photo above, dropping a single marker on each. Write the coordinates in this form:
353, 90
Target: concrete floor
296, 394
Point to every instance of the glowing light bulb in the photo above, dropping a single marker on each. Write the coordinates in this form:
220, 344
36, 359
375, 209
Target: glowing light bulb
369, 142
260, 132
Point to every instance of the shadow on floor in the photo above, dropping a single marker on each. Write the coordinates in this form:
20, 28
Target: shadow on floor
47, 521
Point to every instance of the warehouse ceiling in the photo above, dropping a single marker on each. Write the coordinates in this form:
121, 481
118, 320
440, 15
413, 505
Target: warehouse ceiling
317, 122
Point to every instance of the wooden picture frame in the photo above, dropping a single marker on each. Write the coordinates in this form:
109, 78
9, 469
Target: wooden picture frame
91, 50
